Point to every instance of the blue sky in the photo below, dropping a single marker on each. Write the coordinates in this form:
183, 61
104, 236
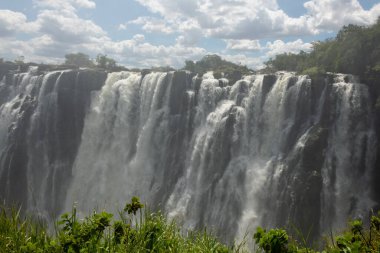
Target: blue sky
145, 33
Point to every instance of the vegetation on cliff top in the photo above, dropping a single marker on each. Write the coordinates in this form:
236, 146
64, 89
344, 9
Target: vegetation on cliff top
354, 50
143, 231
221, 68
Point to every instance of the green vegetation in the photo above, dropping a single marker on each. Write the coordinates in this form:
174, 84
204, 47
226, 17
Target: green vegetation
135, 231
220, 67
105, 62
139, 230
83, 60
79, 60
215, 63
354, 50
355, 239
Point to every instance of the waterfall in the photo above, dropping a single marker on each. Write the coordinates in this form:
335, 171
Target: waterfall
40, 130
268, 150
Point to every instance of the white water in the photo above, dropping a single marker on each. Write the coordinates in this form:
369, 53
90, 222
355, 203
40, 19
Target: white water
267, 150
235, 158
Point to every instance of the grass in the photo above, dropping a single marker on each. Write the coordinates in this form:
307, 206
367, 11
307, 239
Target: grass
357, 238
136, 230
139, 230
18, 234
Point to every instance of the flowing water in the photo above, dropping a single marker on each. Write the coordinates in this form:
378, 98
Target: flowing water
268, 150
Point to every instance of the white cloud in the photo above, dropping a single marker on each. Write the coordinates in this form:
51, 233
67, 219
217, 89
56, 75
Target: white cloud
85, 4
151, 25
229, 19
122, 27
138, 53
33, 50
259, 19
247, 45
331, 15
12, 22
138, 38
280, 47
172, 8
191, 33
241, 59
57, 30
134, 52
67, 27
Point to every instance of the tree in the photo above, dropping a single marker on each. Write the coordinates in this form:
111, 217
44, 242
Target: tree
220, 67
78, 59
190, 66
354, 50
105, 62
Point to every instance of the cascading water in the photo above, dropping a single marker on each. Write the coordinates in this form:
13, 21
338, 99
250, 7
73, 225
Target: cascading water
268, 150
42, 117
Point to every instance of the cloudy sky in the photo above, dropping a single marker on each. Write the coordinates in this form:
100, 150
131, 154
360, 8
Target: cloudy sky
145, 33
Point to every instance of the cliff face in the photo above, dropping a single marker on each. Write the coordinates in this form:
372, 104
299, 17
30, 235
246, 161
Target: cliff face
267, 150
374, 85
41, 127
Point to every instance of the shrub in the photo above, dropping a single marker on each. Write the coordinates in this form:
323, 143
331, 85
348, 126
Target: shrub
99, 232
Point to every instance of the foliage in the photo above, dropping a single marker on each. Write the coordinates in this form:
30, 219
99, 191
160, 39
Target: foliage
138, 231
105, 62
99, 232
19, 234
78, 59
314, 72
220, 67
134, 206
86, 236
275, 240
356, 239
354, 50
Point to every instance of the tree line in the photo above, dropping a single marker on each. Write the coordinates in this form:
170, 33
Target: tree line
219, 67
83, 60
354, 50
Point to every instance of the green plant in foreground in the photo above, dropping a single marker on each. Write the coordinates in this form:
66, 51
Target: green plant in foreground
359, 239
18, 234
275, 240
100, 232
151, 232
134, 206
86, 236
356, 239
